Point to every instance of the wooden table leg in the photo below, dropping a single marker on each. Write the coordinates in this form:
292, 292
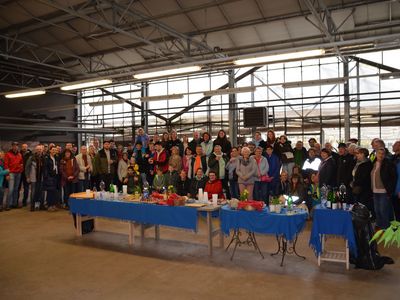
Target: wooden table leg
78, 225
221, 238
157, 232
95, 224
142, 231
131, 233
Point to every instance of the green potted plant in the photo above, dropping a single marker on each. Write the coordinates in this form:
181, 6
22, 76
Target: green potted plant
389, 236
243, 195
275, 205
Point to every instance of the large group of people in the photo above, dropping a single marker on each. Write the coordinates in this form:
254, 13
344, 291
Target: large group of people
264, 168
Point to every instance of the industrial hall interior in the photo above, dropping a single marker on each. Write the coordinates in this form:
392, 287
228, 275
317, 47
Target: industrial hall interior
199, 149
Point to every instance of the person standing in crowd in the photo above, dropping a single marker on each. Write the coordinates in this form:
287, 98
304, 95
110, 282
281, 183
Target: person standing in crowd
85, 168
247, 171
165, 140
207, 145
335, 155
361, 184
175, 142
312, 142
327, 169
262, 179
223, 141
274, 169
217, 163
143, 138
120, 151
252, 147
34, 176
94, 175
105, 164
123, 165
271, 140
26, 154
232, 176
183, 184
258, 141
283, 187
285, 152
150, 171
199, 161
3, 173
345, 165
69, 170
300, 154
198, 182
214, 186
317, 147
13, 162
171, 177
129, 150
160, 158
185, 143
311, 164
51, 180
175, 159
187, 162
196, 141
396, 195
142, 159
159, 183
383, 183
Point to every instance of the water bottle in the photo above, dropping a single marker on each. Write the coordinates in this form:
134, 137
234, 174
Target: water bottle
102, 186
146, 191
290, 203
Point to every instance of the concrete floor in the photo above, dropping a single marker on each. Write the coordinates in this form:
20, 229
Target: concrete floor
40, 258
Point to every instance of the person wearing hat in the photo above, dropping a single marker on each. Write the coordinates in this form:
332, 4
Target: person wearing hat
13, 161
345, 166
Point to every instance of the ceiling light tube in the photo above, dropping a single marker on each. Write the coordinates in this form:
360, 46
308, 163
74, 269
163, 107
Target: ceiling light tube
25, 94
245, 89
86, 84
103, 103
387, 76
308, 83
279, 57
162, 97
167, 72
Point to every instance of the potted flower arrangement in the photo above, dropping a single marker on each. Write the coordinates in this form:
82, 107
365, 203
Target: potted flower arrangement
273, 203
244, 195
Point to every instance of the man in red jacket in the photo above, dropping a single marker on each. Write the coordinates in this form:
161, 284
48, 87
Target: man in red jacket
14, 163
214, 186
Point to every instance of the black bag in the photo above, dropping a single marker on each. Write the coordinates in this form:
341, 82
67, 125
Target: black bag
87, 225
368, 256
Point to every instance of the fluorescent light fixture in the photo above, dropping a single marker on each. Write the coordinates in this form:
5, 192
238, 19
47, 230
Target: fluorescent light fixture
245, 89
307, 83
294, 125
103, 103
25, 94
86, 84
279, 57
387, 76
167, 72
162, 97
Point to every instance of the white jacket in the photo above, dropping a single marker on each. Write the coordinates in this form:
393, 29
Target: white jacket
81, 164
122, 169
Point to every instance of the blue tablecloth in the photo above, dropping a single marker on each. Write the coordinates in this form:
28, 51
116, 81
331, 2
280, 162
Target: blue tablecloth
262, 222
328, 221
174, 216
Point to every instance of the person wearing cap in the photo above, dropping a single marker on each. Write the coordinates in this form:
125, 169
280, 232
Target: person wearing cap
345, 165
13, 161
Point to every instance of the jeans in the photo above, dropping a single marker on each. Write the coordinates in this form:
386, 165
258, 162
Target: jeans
69, 188
13, 190
261, 191
83, 185
383, 210
234, 188
25, 184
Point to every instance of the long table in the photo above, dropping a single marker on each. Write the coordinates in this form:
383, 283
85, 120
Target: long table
284, 227
145, 215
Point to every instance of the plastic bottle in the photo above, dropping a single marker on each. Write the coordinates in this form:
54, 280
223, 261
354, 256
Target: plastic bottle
102, 186
146, 191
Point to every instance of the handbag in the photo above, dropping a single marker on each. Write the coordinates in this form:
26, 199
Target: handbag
265, 178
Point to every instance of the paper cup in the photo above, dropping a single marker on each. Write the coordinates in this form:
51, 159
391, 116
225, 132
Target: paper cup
125, 189
205, 197
87, 193
215, 199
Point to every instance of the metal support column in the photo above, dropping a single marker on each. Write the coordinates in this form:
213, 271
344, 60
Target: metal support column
233, 132
144, 119
346, 100
358, 103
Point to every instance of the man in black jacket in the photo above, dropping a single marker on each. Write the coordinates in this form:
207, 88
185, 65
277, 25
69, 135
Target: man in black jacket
345, 165
26, 154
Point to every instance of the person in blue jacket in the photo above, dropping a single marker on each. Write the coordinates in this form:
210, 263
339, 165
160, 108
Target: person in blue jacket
3, 173
274, 169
